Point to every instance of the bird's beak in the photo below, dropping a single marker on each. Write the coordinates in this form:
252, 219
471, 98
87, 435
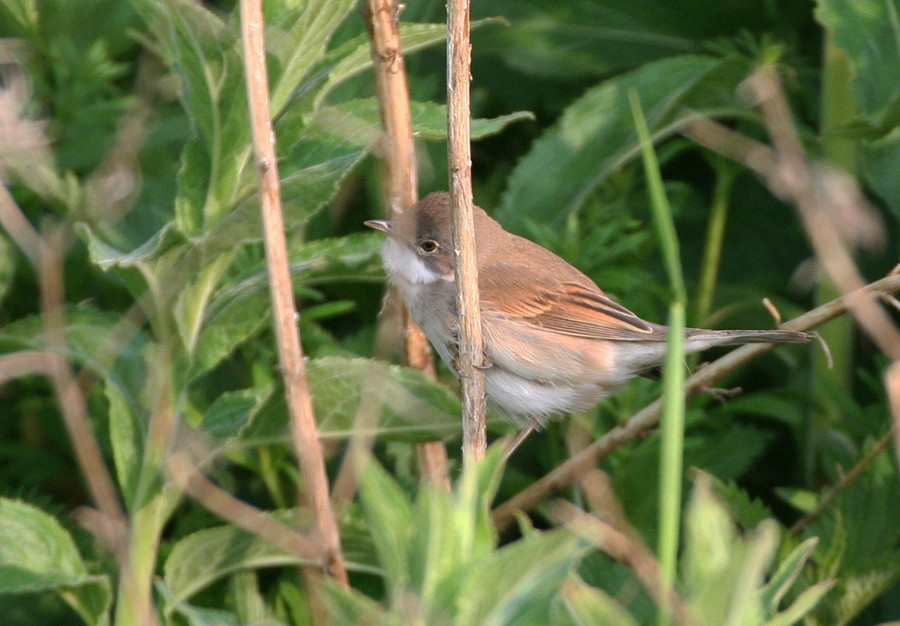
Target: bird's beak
385, 226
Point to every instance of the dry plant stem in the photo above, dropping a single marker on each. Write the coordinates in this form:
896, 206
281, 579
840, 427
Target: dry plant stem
470, 360
398, 158
892, 384
397, 148
627, 549
572, 468
798, 183
69, 396
188, 477
846, 479
303, 427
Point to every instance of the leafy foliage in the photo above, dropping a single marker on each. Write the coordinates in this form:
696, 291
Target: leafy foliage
130, 133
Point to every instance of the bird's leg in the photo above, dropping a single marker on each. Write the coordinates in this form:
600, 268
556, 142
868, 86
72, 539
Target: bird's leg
523, 434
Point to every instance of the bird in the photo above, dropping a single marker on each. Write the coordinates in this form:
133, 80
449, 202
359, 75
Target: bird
554, 342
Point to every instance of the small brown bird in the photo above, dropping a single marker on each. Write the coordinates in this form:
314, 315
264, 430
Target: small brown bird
555, 343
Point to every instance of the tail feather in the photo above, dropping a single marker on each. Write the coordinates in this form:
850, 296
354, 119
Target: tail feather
730, 337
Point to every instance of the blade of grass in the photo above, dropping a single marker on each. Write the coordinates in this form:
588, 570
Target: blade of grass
673, 369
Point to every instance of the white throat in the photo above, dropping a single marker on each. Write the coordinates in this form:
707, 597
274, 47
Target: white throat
403, 264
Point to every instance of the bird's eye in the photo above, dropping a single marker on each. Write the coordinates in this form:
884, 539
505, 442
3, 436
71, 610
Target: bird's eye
428, 246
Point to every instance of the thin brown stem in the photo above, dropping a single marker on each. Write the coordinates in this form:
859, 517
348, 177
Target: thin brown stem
846, 479
569, 471
626, 547
398, 158
470, 360
184, 473
284, 315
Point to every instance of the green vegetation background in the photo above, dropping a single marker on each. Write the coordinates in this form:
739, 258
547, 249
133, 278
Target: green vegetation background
146, 170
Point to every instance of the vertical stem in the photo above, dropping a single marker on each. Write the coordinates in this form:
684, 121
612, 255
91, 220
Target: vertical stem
471, 351
838, 107
284, 315
401, 185
715, 233
671, 462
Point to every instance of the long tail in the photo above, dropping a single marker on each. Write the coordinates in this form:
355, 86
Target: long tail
703, 339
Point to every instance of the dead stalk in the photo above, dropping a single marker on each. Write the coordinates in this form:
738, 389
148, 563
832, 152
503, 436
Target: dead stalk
398, 159
470, 360
284, 315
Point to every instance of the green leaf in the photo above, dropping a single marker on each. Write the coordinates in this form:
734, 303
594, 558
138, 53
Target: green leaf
7, 265
517, 583
208, 555
787, 572
302, 44
429, 119
595, 135
355, 56
126, 435
37, 554
190, 305
881, 160
231, 412
868, 32
105, 343
588, 606
803, 605
408, 405
390, 515
240, 308
350, 607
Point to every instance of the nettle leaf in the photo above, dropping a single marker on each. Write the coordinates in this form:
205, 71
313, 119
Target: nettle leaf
595, 136
203, 557
232, 411
100, 341
37, 554
301, 44
355, 56
240, 309
407, 404
867, 32
206, 54
429, 119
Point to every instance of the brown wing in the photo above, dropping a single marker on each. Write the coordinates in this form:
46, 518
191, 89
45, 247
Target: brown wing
569, 307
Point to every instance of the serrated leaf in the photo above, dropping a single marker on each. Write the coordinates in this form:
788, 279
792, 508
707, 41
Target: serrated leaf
300, 46
748, 512
429, 119
407, 404
36, 552
208, 555
231, 412
106, 255
237, 311
595, 135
